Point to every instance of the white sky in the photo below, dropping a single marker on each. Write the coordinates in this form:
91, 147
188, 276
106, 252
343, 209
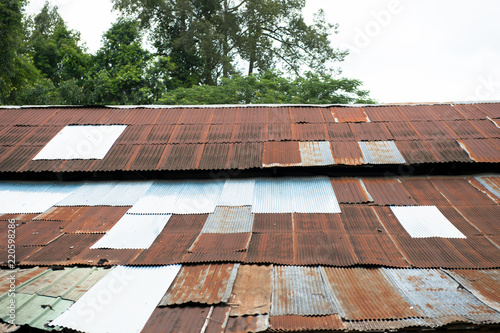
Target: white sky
403, 50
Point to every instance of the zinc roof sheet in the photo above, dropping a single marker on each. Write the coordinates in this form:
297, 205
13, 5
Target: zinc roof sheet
106, 257
146, 116
388, 192
248, 324
168, 116
423, 191
22, 275
402, 131
147, 158
459, 221
160, 134
196, 116
381, 152
491, 109
189, 133
251, 293
237, 192
469, 111
464, 130
88, 194
14, 135
15, 157
40, 136
279, 132
484, 218
478, 250
316, 153
229, 219
134, 135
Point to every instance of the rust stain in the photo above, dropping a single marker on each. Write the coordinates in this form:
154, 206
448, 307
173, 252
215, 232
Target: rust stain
294, 323
339, 132
349, 190
220, 243
252, 290
346, 152
97, 219
388, 192
306, 115
349, 114
282, 153
370, 132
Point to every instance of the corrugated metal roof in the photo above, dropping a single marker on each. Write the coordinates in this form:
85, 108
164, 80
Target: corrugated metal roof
316, 153
228, 219
480, 150
293, 323
214, 156
487, 127
418, 113
106, 257
196, 116
220, 243
384, 113
317, 223
281, 153
250, 132
88, 194
436, 130
484, 218
220, 133
306, 115
388, 192
251, 294
489, 109
169, 116
349, 114
340, 132
426, 221
402, 131
350, 190
332, 249
309, 132
237, 192
460, 192
300, 291
37, 233
246, 155
491, 183
272, 223
279, 114
133, 232
370, 132
251, 115
247, 324
147, 158
360, 219
97, 219
166, 249
206, 284
63, 214
268, 248
381, 152
447, 151
424, 192
464, 130
347, 153
122, 287
279, 132
81, 142
379, 249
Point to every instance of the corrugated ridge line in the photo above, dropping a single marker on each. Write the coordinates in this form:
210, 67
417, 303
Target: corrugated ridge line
381, 152
226, 219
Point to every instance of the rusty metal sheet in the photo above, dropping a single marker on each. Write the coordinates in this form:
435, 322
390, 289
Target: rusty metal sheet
147, 158
448, 151
22, 252
250, 133
464, 130
377, 249
387, 191
460, 192
332, 249
10, 115
226, 220
478, 250
381, 152
347, 153
42, 165
279, 115
160, 134
18, 217
251, 293
246, 324
181, 157
316, 153
119, 157
106, 257
487, 128
134, 135
339, 132
435, 130
196, 116
484, 218
186, 224
189, 133
317, 223
206, 284
481, 150
97, 219
491, 110
166, 249
246, 155
38, 233
384, 114
309, 132
33, 117
395, 325
22, 275
214, 156
366, 294
212, 257
457, 219
40, 136
360, 219
220, 133
306, 115
370, 132
114, 117
419, 112
281, 153
492, 184
220, 243
168, 116
350, 190
415, 152
142, 116
349, 114
62, 250
328, 115
402, 131
16, 157
469, 111
268, 248
273, 223
279, 132
293, 323
76, 165
226, 116
389, 220
251, 115
447, 112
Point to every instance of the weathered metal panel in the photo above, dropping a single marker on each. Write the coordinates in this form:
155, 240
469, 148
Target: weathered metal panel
88, 194
166, 249
384, 114
125, 193
436, 130
133, 232
279, 115
418, 112
34, 117
402, 131
147, 158
370, 132
316, 153
117, 315
387, 191
181, 157
119, 158
63, 214
426, 221
168, 116
215, 156
106, 257
490, 109
478, 250
14, 135
251, 293
271, 248
437, 295
349, 115
333, 249
309, 132
114, 117
246, 155
22, 275
134, 135
273, 223
381, 152
212, 257
237, 192
40, 136
251, 115
300, 291
488, 128
317, 223
160, 134
447, 112
220, 243
293, 323
273, 196
424, 192
394, 325
480, 150
491, 183
464, 130
228, 220
306, 115
461, 193
250, 133
15, 157
97, 219
469, 111
206, 284
246, 324
484, 218
379, 249
189, 133
281, 153
347, 153
350, 190
360, 219
448, 151
37, 233
458, 220
279, 132
186, 224
196, 116
366, 294
224, 116
220, 133
142, 116
340, 132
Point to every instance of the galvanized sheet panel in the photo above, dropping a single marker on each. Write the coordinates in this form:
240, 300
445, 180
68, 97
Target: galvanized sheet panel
381, 152
426, 221
88, 194
491, 183
273, 196
316, 153
123, 286
125, 193
36, 233
133, 232
300, 291
314, 223
237, 192
251, 293
81, 142
228, 220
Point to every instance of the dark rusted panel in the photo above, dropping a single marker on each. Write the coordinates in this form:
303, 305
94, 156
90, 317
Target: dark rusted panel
484, 218
279, 132
367, 294
384, 113
281, 153
147, 158
9, 117
317, 223
38, 233
166, 249
418, 113
251, 294
185, 224
115, 117
15, 158
134, 135
377, 249
435, 130
388, 192
189, 133
460, 192
142, 117
268, 248
18, 217
328, 115
246, 155
333, 249
251, 115
14, 135
464, 130
22, 252
66, 117
42, 165
481, 150
226, 116
447, 112
424, 192
478, 250
487, 128
97, 219
41, 135
220, 243
346, 152
458, 220
484, 284
168, 116
415, 152
491, 110
215, 156
63, 214
220, 133
212, 257
160, 134
402, 131
247, 324
250, 133
448, 151
119, 157
360, 219
292, 323
181, 157
196, 116
339, 132
94, 257
309, 132
76, 165
370, 132
390, 222
349, 114
469, 111
349, 190
62, 250
306, 115
279, 115
272, 223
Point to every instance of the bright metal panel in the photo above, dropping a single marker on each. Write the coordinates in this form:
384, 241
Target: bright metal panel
381, 152
228, 220
273, 196
122, 301
125, 193
491, 183
81, 142
237, 192
159, 199
425, 221
133, 232
316, 153
89, 194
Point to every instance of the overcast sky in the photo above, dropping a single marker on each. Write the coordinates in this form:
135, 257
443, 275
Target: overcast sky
403, 50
